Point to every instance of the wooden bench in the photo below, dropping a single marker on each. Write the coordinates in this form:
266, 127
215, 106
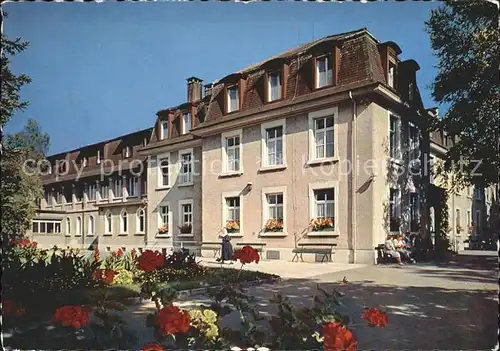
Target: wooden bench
212, 245
324, 249
257, 246
382, 255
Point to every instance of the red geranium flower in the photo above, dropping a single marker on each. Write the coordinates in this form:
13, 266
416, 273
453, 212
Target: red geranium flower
247, 255
71, 316
106, 275
375, 317
14, 242
149, 260
338, 338
7, 307
152, 347
172, 320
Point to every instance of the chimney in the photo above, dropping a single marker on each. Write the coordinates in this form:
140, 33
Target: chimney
194, 89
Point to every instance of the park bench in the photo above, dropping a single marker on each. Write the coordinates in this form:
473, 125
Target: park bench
257, 246
382, 255
212, 245
325, 249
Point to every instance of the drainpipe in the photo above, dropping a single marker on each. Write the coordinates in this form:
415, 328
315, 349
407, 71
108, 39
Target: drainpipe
353, 175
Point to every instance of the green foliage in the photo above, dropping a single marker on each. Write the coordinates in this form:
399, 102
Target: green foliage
464, 37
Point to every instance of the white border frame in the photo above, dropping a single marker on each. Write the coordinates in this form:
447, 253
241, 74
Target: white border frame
273, 190
228, 101
184, 202
223, 137
170, 220
316, 70
68, 226
78, 228
280, 75
89, 233
333, 184
179, 167
162, 136
137, 231
159, 177
334, 111
225, 195
263, 150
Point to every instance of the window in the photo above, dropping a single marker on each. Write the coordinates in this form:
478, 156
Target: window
231, 152
274, 86
394, 137
91, 192
50, 227
104, 192
323, 137
46, 227
391, 77
124, 222
118, 190
91, 228
164, 130
34, 227
127, 151
108, 227
98, 156
324, 201
413, 136
186, 123
141, 221
414, 212
78, 226
68, 226
394, 209
186, 217
323, 71
186, 174
411, 89
274, 212
164, 178
233, 212
164, 220
57, 227
233, 99
84, 161
274, 146
43, 227
133, 186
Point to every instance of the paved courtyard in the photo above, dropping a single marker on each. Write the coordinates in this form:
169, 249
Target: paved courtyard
449, 306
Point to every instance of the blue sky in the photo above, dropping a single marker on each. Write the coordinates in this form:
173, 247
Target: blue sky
103, 70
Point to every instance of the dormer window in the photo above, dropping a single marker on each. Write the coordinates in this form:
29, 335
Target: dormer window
323, 71
186, 123
391, 76
274, 86
127, 151
233, 100
164, 130
98, 156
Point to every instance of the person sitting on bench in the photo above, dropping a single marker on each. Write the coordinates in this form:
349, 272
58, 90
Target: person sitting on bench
391, 250
400, 246
226, 252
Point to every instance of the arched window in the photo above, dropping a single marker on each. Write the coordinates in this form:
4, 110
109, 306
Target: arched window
141, 221
108, 224
78, 225
124, 222
68, 225
91, 228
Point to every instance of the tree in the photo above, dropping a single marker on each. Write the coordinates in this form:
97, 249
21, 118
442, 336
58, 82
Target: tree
464, 37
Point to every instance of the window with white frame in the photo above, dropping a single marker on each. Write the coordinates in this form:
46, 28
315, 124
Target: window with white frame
46, 227
186, 123
91, 192
118, 189
275, 206
323, 137
394, 209
164, 178
141, 221
108, 223
186, 173
133, 186
232, 215
104, 191
164, 130
127, 152
274, 146
124, 222
78, 225
323, 71
414, 212
394, 137
164, 219
274, 86
324, 203
91, 228
68, 225
391, 77
233, 99
232, 148
186, 217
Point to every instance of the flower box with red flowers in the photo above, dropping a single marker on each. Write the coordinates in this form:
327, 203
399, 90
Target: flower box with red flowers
186, 228
233, 226
163, 229
274, 225
322, 224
